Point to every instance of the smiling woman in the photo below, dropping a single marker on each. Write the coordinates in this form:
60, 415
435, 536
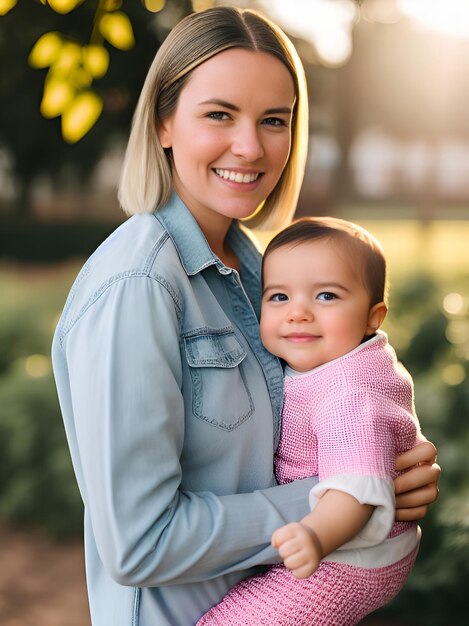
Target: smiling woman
228, 150
171, 404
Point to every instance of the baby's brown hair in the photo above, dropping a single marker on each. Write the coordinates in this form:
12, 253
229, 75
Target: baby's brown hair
359, 247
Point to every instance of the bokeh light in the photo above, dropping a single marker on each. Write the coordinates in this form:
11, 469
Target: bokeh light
37, 365
453, 303
453, 374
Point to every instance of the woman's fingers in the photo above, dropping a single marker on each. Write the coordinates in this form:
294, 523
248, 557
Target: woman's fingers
422, 477
423, 453
411, 515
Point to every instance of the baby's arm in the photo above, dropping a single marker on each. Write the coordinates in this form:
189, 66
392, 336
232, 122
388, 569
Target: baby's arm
336, 519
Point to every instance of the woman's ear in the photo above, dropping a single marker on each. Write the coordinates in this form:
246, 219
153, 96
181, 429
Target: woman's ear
164, 134
376, 316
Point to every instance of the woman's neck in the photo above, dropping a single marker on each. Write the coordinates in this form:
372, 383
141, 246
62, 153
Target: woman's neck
215, 228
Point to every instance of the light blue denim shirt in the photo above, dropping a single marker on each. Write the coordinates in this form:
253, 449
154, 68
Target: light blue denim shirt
172, 411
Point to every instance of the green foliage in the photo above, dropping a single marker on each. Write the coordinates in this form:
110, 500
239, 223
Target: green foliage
37, 484
36, 478
33, 241
436, 591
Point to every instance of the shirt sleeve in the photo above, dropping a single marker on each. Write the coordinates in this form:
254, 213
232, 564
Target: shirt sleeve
127, 434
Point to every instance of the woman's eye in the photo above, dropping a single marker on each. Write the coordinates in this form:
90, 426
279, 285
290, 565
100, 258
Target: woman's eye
326, 296
218, 115
275, 121
278, 297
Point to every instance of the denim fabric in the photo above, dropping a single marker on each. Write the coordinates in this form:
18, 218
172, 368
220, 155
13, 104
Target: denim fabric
172, 408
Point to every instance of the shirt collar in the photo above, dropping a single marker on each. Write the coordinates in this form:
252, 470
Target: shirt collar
192, 247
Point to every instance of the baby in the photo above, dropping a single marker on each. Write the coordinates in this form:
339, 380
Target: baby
348, 412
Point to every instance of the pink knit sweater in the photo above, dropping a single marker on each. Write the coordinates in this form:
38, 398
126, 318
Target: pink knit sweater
345, 421
350, 416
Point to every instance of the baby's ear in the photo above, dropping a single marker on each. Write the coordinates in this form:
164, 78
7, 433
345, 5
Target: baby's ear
376, 317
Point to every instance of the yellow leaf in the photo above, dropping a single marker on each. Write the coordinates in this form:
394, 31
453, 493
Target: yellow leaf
117, 29
80, 116
64, 6
96, 60
6, 6
112, 5
68, 58
80, 78
58, 94
154, 5
46, 50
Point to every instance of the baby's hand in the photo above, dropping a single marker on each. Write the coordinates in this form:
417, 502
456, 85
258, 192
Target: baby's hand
297, 549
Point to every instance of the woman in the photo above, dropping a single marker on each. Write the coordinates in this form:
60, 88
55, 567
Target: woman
170, 402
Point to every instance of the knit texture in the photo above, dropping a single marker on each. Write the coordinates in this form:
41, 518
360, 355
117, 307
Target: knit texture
350, 416
335, 595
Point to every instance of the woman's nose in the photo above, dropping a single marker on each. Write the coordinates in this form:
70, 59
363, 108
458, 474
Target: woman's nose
247, 143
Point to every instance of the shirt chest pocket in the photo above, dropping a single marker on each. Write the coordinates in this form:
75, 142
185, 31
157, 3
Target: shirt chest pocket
220, 395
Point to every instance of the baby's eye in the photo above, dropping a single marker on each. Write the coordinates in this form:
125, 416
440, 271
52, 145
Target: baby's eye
278, 297
326, 296
218, 115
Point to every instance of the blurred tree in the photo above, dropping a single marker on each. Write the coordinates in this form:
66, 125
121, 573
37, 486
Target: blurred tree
82, 45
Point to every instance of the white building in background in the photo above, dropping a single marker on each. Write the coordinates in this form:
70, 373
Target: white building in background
452, 169
323, 161
417, 163
383, 166
374, 161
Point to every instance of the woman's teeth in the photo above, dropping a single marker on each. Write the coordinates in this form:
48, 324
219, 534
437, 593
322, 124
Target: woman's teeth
237, 177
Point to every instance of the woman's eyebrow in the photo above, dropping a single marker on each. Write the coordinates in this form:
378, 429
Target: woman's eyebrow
234, 107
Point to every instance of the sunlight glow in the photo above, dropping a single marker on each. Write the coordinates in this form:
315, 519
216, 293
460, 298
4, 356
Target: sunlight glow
383, 11
450, 17
327, 24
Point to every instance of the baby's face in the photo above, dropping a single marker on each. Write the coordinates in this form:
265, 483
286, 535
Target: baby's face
315, 307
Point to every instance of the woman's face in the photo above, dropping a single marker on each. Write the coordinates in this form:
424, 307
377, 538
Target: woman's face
230, 135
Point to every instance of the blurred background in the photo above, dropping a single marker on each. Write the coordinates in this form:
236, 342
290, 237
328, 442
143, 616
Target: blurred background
389, 149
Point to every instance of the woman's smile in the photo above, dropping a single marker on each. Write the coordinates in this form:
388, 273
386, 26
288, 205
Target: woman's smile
237, 176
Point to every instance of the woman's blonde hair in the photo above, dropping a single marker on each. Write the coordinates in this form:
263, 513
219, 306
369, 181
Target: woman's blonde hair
146, 180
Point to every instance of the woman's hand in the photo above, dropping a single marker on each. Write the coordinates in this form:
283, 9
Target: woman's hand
417, 487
